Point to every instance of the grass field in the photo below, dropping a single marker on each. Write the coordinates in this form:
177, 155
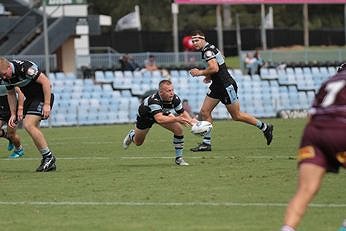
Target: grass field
241, 185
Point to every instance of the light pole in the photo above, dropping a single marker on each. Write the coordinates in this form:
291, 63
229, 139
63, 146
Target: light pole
45, 33
175, 12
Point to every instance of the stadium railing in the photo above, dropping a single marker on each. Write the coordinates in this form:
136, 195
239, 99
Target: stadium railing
301, 58
169, 60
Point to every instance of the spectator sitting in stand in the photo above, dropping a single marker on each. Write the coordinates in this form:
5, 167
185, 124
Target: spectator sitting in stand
150, 63
250, 64
188, 108
259, 63
127, 63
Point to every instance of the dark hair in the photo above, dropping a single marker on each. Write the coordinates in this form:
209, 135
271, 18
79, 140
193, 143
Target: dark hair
197, 32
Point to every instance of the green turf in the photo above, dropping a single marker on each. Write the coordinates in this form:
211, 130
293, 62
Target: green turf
241, 185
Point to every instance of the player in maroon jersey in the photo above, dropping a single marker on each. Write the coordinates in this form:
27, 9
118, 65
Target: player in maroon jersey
323, 146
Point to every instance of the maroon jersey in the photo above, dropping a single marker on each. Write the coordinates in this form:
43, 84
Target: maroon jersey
329, 106
323, 142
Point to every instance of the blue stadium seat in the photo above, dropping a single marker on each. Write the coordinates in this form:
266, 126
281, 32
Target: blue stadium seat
108, 77
315, 70
291, 79
298, 71
290, 70
128, 74
51, 76
324, 71
303, 100
174, 73
331, 70
118, 74
306, 70
283, 79
99, 76
71, 75
59, 76
137, 74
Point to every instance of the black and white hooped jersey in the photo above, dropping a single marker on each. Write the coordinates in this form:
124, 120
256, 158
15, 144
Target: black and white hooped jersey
222, 77
24, 75
153, 104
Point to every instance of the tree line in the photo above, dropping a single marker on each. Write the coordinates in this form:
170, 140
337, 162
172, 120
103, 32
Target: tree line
156, 15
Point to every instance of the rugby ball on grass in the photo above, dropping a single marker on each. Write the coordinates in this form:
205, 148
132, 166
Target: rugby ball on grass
201, 127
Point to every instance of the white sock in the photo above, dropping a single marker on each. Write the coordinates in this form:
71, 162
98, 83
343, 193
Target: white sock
287, 228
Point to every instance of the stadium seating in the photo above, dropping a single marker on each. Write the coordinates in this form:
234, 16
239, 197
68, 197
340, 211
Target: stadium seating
113, 97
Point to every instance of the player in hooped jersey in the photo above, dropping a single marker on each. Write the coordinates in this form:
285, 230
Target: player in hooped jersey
323, 146
222, 89
37, 105
164, 108
14, 141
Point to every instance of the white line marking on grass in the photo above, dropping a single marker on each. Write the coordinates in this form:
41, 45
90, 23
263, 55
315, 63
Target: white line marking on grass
109, 158
82, 142
62, 158
164, 157
133, 203
208, 157
152, 157
268, 157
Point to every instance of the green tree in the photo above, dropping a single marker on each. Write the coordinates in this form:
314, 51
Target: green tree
156, 14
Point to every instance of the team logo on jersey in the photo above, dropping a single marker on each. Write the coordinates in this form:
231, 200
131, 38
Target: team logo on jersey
307, 152
31, 71
341, 157
209, 54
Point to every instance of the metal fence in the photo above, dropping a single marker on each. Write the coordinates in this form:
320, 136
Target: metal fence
181, 59
163, 59
320, 57
302, 56
337, 55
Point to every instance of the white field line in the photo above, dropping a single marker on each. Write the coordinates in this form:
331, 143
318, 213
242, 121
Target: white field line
165, 157
203, 157
133, 203
151, 157
83, 142
61, 158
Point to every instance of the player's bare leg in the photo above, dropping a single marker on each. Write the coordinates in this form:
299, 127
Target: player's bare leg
205, 114
310, 178
237, 115
31, 124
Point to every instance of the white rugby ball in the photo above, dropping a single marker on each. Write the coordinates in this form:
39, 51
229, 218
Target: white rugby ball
201, 127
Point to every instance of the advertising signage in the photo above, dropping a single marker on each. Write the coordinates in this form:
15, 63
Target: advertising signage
65, 2
236, 2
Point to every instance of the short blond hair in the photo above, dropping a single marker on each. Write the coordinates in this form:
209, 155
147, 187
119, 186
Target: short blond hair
3, 63
164, 82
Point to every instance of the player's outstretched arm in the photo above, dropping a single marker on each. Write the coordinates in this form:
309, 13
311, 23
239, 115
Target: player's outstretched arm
166, 119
